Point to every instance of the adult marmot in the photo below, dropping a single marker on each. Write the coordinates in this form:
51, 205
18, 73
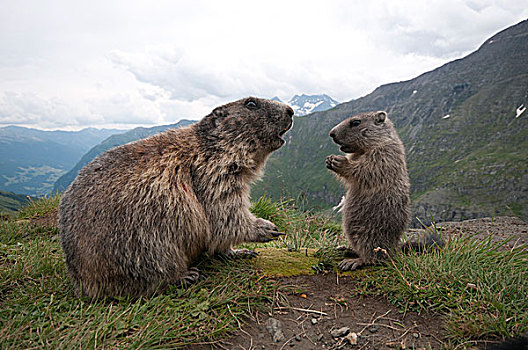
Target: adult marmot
137, 216
376, 207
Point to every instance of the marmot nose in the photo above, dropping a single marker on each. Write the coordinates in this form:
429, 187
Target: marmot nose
290, 111
332, 134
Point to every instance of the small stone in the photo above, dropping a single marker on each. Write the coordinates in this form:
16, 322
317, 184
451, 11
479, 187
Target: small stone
341, 332
274, 327
292, 343
314, 321
298, 337
373, 329
415, 335
352, 338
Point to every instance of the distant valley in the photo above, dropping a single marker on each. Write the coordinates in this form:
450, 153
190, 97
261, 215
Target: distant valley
32, 160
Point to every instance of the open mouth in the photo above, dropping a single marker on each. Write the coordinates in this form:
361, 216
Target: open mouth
347, 149
281, 134
344, 148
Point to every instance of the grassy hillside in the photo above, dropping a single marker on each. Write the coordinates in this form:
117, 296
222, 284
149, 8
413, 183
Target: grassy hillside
11, 202
469, 164
479, 290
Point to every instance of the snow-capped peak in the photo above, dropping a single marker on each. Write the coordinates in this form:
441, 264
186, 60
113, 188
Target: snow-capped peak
306, 104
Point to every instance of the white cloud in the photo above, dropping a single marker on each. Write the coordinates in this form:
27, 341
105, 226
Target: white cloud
68, 65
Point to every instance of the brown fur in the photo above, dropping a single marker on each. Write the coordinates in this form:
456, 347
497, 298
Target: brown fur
376, 208
137, 216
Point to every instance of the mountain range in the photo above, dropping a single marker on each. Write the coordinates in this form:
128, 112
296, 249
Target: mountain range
31, 160
465, 140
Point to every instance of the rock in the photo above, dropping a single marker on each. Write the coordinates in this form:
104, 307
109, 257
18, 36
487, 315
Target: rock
274, 328
373, 329
341, 332
298, 337
314, 321
352, 338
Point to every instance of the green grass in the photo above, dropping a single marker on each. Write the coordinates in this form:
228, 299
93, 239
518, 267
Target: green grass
479, 288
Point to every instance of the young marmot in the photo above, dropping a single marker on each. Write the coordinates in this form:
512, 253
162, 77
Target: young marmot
376, 208
137, 216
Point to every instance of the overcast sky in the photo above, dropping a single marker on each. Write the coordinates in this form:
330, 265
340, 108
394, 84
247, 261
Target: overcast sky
74, 64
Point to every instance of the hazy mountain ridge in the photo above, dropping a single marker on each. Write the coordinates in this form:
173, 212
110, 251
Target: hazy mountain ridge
115, 140
31, 160
466, 151
11, 202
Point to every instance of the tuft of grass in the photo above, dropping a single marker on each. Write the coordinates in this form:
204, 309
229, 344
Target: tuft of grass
304, 229
480, 288
39, 207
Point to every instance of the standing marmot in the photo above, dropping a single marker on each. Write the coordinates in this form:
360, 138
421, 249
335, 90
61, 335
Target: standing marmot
137, 216
376, 208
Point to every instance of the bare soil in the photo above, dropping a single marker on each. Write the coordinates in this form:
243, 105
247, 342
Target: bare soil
326, 303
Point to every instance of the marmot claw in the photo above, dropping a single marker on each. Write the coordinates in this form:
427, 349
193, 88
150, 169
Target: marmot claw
350, 264
336, 163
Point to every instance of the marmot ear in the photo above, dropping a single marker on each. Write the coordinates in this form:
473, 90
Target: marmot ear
380, 117
218, 116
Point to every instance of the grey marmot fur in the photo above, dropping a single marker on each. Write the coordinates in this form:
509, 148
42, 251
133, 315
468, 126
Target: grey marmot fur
376, 209
137, 216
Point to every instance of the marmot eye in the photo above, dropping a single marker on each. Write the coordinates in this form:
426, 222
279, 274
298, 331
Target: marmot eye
355, 122
251, 105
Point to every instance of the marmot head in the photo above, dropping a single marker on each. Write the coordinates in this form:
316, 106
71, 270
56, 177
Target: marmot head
254, 124
362, 132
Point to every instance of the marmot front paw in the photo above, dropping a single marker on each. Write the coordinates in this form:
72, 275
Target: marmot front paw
337, 163
351, 264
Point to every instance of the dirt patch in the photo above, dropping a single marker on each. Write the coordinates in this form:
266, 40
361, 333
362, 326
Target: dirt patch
325, 313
